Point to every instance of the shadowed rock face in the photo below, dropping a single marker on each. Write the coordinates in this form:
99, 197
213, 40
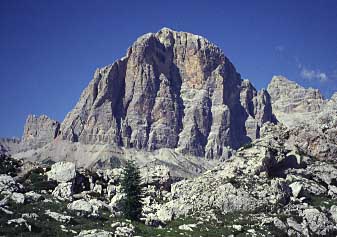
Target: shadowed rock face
173, 90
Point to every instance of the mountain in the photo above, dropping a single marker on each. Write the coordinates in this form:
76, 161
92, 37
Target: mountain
172, 90
292, 103
312, 119
39, 131
175, 97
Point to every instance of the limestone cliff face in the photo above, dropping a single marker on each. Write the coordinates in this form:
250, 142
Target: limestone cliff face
312, 119
39, 131
173, 90
293, 103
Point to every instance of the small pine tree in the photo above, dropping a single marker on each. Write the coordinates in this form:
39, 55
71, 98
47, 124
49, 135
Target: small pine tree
130, 184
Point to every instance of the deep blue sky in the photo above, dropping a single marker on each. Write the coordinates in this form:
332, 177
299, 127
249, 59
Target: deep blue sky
50, 49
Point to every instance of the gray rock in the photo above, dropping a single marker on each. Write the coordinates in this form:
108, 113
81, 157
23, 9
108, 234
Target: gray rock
299, 229
239, 184
18, 198
39, 131
33, 196
312, 119
95, 233
7, 184
19, 222
172, 90
62, 171
333, 212
318, 222
81, 206
158, 175
188, 227
125, 230
59, 217
63, 191
296, 188
33, 216
293, 103
9, 145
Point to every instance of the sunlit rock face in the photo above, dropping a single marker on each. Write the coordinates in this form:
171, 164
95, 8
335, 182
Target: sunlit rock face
38, 131
293, 103
171, 90
312, 119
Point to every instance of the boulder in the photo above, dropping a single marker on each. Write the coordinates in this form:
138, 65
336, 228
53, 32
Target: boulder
32, 196
59, 217
63, 191
18, 198
95, 233
62, 171
7, 184
318, 222
81, 206
333, 212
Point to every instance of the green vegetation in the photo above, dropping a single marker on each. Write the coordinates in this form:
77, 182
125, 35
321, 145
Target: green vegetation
36, 180
130, 184
322, 201
9, 165
247, 145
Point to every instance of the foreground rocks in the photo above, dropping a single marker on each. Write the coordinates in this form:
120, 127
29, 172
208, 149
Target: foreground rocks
269, 187
265, 180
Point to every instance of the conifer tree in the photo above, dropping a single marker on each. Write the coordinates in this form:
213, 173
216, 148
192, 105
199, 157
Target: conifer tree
131, 186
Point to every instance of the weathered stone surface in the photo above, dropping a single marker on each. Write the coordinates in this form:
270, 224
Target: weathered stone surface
95, 233
317, 221
171, 90
7, 184
9, 145
237, 185
62, 171
333, 212
32, 196
39, 131
59, 217
313, 119
293, 103
18, 198
81, 206
158, 175
63, 191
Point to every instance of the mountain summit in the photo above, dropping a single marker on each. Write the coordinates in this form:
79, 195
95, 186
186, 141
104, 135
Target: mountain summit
171, 90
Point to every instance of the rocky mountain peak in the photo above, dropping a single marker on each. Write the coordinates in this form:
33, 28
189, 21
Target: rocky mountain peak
171, 90
293, 103
39, 130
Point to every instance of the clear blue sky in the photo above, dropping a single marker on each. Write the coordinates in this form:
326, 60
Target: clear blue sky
50, 49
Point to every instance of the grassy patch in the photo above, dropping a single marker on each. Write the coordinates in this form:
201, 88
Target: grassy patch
322, 201
36, 180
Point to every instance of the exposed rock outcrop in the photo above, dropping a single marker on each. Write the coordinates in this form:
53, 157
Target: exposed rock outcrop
292, 103
312, 119
9, 145
39, 131
171, 90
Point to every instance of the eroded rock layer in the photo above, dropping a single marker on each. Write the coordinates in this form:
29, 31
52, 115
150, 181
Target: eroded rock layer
39, 131
171, 90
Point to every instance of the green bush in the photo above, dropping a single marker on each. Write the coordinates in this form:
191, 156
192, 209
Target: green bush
130, 183
9, 165
36, 180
